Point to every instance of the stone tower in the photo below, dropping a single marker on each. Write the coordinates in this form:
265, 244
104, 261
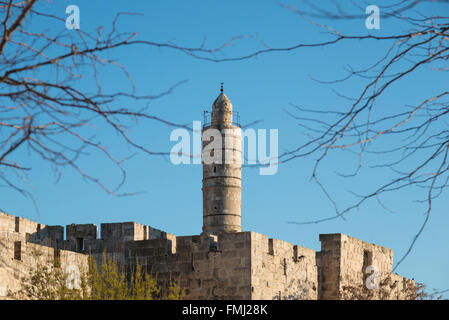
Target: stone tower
222, 183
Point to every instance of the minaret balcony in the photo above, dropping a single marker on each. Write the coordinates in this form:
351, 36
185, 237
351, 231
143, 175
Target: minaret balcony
207, 119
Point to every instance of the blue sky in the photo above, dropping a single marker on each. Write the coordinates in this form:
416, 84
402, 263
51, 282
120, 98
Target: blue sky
260, 89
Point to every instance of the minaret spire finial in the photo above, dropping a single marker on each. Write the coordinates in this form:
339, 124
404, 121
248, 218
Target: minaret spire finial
221, 87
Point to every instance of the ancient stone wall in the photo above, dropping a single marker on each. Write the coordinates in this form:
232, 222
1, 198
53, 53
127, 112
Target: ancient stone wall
25, 244
350, 264
241, 265
30, 230
206, 267
281, 270
216, 267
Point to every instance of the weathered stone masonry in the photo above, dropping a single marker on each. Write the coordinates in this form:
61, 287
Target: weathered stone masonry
24, 244
221, 263
241, 265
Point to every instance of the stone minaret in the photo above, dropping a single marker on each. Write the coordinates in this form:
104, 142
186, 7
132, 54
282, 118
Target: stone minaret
222, 183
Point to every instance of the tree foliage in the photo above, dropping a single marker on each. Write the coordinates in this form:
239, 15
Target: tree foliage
110, 281
390, 289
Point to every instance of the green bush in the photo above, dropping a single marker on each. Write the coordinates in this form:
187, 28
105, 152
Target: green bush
109, 282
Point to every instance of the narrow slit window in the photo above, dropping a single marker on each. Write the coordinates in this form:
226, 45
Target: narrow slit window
17, 250
80, 244
285, 267
367, 259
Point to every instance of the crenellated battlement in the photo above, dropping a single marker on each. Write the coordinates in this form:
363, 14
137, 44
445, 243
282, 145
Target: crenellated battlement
240, 265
